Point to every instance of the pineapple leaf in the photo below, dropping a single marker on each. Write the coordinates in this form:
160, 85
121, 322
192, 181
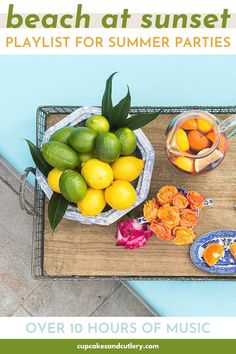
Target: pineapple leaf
107, 98
140, 120
120, 112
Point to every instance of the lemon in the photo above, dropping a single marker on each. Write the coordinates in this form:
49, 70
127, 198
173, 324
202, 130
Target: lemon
53, 179
93, 203
204, 126
182, 140
97, 174
120, 195
127, 168
185, 163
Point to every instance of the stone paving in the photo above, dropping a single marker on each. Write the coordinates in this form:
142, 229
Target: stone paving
21, 295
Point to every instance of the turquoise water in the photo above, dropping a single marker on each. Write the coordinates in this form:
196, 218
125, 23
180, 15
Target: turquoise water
30, 81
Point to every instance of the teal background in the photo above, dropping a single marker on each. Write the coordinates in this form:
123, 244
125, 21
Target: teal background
27, 82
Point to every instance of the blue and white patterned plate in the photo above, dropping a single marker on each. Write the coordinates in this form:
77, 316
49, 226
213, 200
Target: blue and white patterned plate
227, 263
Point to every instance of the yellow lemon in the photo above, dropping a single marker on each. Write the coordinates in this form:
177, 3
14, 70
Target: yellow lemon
185, 163
97, 174
182, 140
204, 126
93, 203
120, 195
127, 168
53, 179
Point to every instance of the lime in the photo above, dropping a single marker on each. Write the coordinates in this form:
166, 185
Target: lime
98, 123
127, 139
120, 195
72, 186
82, 139
53, 179
107, 147
61, 135
85, 157
127, 168
93, 203
97, 174
60, 155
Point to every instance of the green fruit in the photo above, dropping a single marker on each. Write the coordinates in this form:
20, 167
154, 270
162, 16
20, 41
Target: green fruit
85, 157
72, 186
127, 139
98, 123
60, 155
107, 147
61, 135
82, 139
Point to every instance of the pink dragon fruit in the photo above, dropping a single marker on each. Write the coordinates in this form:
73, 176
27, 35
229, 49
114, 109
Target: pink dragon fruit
131, 234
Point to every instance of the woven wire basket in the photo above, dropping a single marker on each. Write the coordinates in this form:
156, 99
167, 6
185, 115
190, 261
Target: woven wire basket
39, 199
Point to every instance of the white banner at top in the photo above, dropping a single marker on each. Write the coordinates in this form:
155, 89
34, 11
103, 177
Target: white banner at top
151, 27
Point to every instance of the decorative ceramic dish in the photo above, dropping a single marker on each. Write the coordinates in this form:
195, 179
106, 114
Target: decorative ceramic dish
144, 148
227, 263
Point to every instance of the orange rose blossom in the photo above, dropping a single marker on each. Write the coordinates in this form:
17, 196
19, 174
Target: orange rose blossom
173, 214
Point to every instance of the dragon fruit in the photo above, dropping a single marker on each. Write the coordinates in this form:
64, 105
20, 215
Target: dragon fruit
132, 234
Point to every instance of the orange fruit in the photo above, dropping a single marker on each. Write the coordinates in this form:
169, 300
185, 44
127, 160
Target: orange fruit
211, 136
213, 253
182, 140
189, 124
223, 143
232, 248
203, 125
198, 141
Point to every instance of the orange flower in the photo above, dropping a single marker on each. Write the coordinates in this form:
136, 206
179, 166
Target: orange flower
188, 218
166, 194
169, 216
180, 201
150, 210
196, 199
183, 235
161, 231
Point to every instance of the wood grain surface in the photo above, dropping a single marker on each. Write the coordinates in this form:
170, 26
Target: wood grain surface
77, 249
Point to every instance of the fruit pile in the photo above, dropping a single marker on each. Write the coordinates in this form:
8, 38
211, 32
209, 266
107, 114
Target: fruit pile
93, 165
214, 251
173, 215
196, 137
88, 169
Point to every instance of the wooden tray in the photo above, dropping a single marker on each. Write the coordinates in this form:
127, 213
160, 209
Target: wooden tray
90, 251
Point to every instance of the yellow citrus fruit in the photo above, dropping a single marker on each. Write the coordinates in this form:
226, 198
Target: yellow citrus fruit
97, 174
93, 203
127, 168
185, 163
203, 125
53, 179
182, 140
120, 195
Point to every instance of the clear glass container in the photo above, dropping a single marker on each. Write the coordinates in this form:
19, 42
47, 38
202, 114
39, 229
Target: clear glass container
197, 141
